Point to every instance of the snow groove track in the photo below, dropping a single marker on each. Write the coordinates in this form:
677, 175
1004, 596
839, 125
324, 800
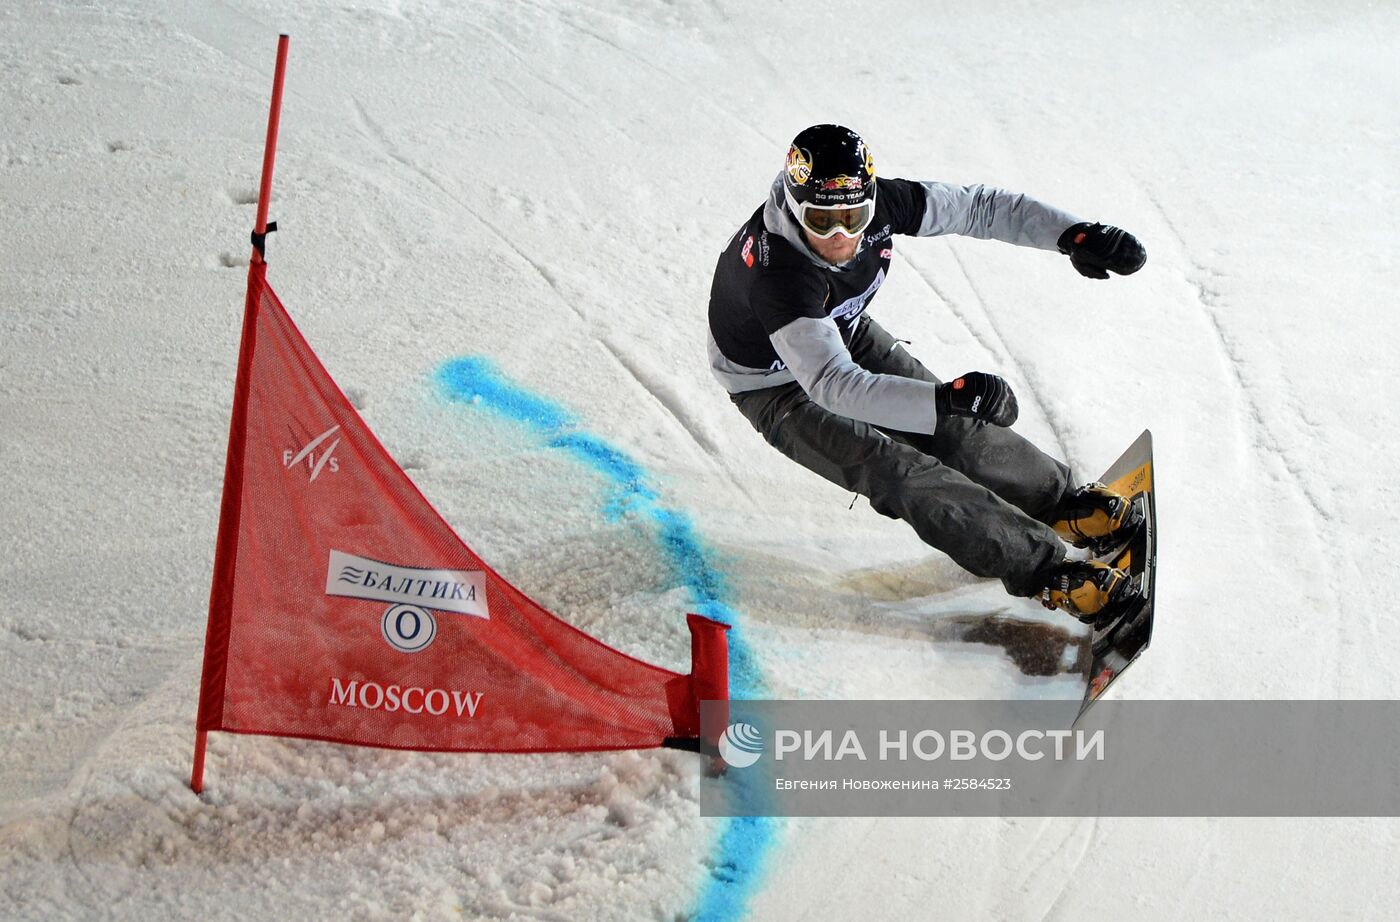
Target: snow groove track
569, 18
1267, 445
661, 392
373, 131
994, 344
1211, 302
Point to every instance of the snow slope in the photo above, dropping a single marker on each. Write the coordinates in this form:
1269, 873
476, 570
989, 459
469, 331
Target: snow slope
545, 185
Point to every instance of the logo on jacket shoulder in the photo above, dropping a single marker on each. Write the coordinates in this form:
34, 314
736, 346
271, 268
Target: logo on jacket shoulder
746, 252
876, 237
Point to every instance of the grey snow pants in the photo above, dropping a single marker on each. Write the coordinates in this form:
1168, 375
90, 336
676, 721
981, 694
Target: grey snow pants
979, 493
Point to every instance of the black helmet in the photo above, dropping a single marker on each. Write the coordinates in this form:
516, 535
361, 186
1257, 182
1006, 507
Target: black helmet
829, 182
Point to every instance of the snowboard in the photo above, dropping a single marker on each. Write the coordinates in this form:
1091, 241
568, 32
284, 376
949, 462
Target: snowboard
1117, 645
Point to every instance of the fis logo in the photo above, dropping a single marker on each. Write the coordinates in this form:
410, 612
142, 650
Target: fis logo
747, 252
315, 463
741, 745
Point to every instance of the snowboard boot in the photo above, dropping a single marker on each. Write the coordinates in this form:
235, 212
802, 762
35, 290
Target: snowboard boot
1092, 591
1096, 518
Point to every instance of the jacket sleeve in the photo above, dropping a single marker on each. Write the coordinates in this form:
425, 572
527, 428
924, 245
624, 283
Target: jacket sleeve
988, 213
812, 350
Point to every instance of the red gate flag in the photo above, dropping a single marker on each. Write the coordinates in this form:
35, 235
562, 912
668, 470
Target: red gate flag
344, 608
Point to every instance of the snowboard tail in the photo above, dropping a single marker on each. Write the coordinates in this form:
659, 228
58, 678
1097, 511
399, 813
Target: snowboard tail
1117, 645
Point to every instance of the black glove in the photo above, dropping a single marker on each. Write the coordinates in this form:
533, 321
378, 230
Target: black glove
1097, 249
979, 395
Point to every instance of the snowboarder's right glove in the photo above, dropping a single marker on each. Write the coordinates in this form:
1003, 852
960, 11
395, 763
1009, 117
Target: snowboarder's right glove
979, 395
1097, 249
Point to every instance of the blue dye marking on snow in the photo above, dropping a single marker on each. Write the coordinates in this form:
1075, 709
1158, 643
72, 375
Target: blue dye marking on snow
474, 380
623, 475
744, 842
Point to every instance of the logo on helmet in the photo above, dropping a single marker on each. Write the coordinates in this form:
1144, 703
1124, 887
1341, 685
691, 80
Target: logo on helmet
842, 182
869, 160
799, 165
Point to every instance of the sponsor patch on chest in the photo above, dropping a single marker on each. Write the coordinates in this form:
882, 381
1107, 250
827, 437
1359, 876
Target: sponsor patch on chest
848, 310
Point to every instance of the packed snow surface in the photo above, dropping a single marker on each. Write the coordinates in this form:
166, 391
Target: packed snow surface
544, 185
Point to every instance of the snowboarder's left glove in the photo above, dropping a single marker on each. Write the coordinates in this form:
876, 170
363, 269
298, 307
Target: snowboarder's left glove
1097, 249
979, 395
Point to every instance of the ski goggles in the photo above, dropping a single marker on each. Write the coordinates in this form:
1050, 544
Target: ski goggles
823, 221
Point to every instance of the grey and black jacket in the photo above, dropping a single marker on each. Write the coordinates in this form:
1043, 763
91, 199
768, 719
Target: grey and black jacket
779, 313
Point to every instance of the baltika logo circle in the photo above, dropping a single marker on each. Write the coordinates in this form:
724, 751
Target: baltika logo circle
741, 745
409, 628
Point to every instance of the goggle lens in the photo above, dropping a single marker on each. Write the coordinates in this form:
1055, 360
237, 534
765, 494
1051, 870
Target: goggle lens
824, 222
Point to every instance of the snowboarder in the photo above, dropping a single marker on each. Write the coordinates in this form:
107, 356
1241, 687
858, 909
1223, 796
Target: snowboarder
829, 388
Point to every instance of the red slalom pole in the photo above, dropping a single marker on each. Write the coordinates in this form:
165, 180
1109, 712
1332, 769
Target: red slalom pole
225, 552
201, 737
274, 117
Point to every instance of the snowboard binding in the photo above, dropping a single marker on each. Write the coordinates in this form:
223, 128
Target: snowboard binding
1092, 591
1097, 518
